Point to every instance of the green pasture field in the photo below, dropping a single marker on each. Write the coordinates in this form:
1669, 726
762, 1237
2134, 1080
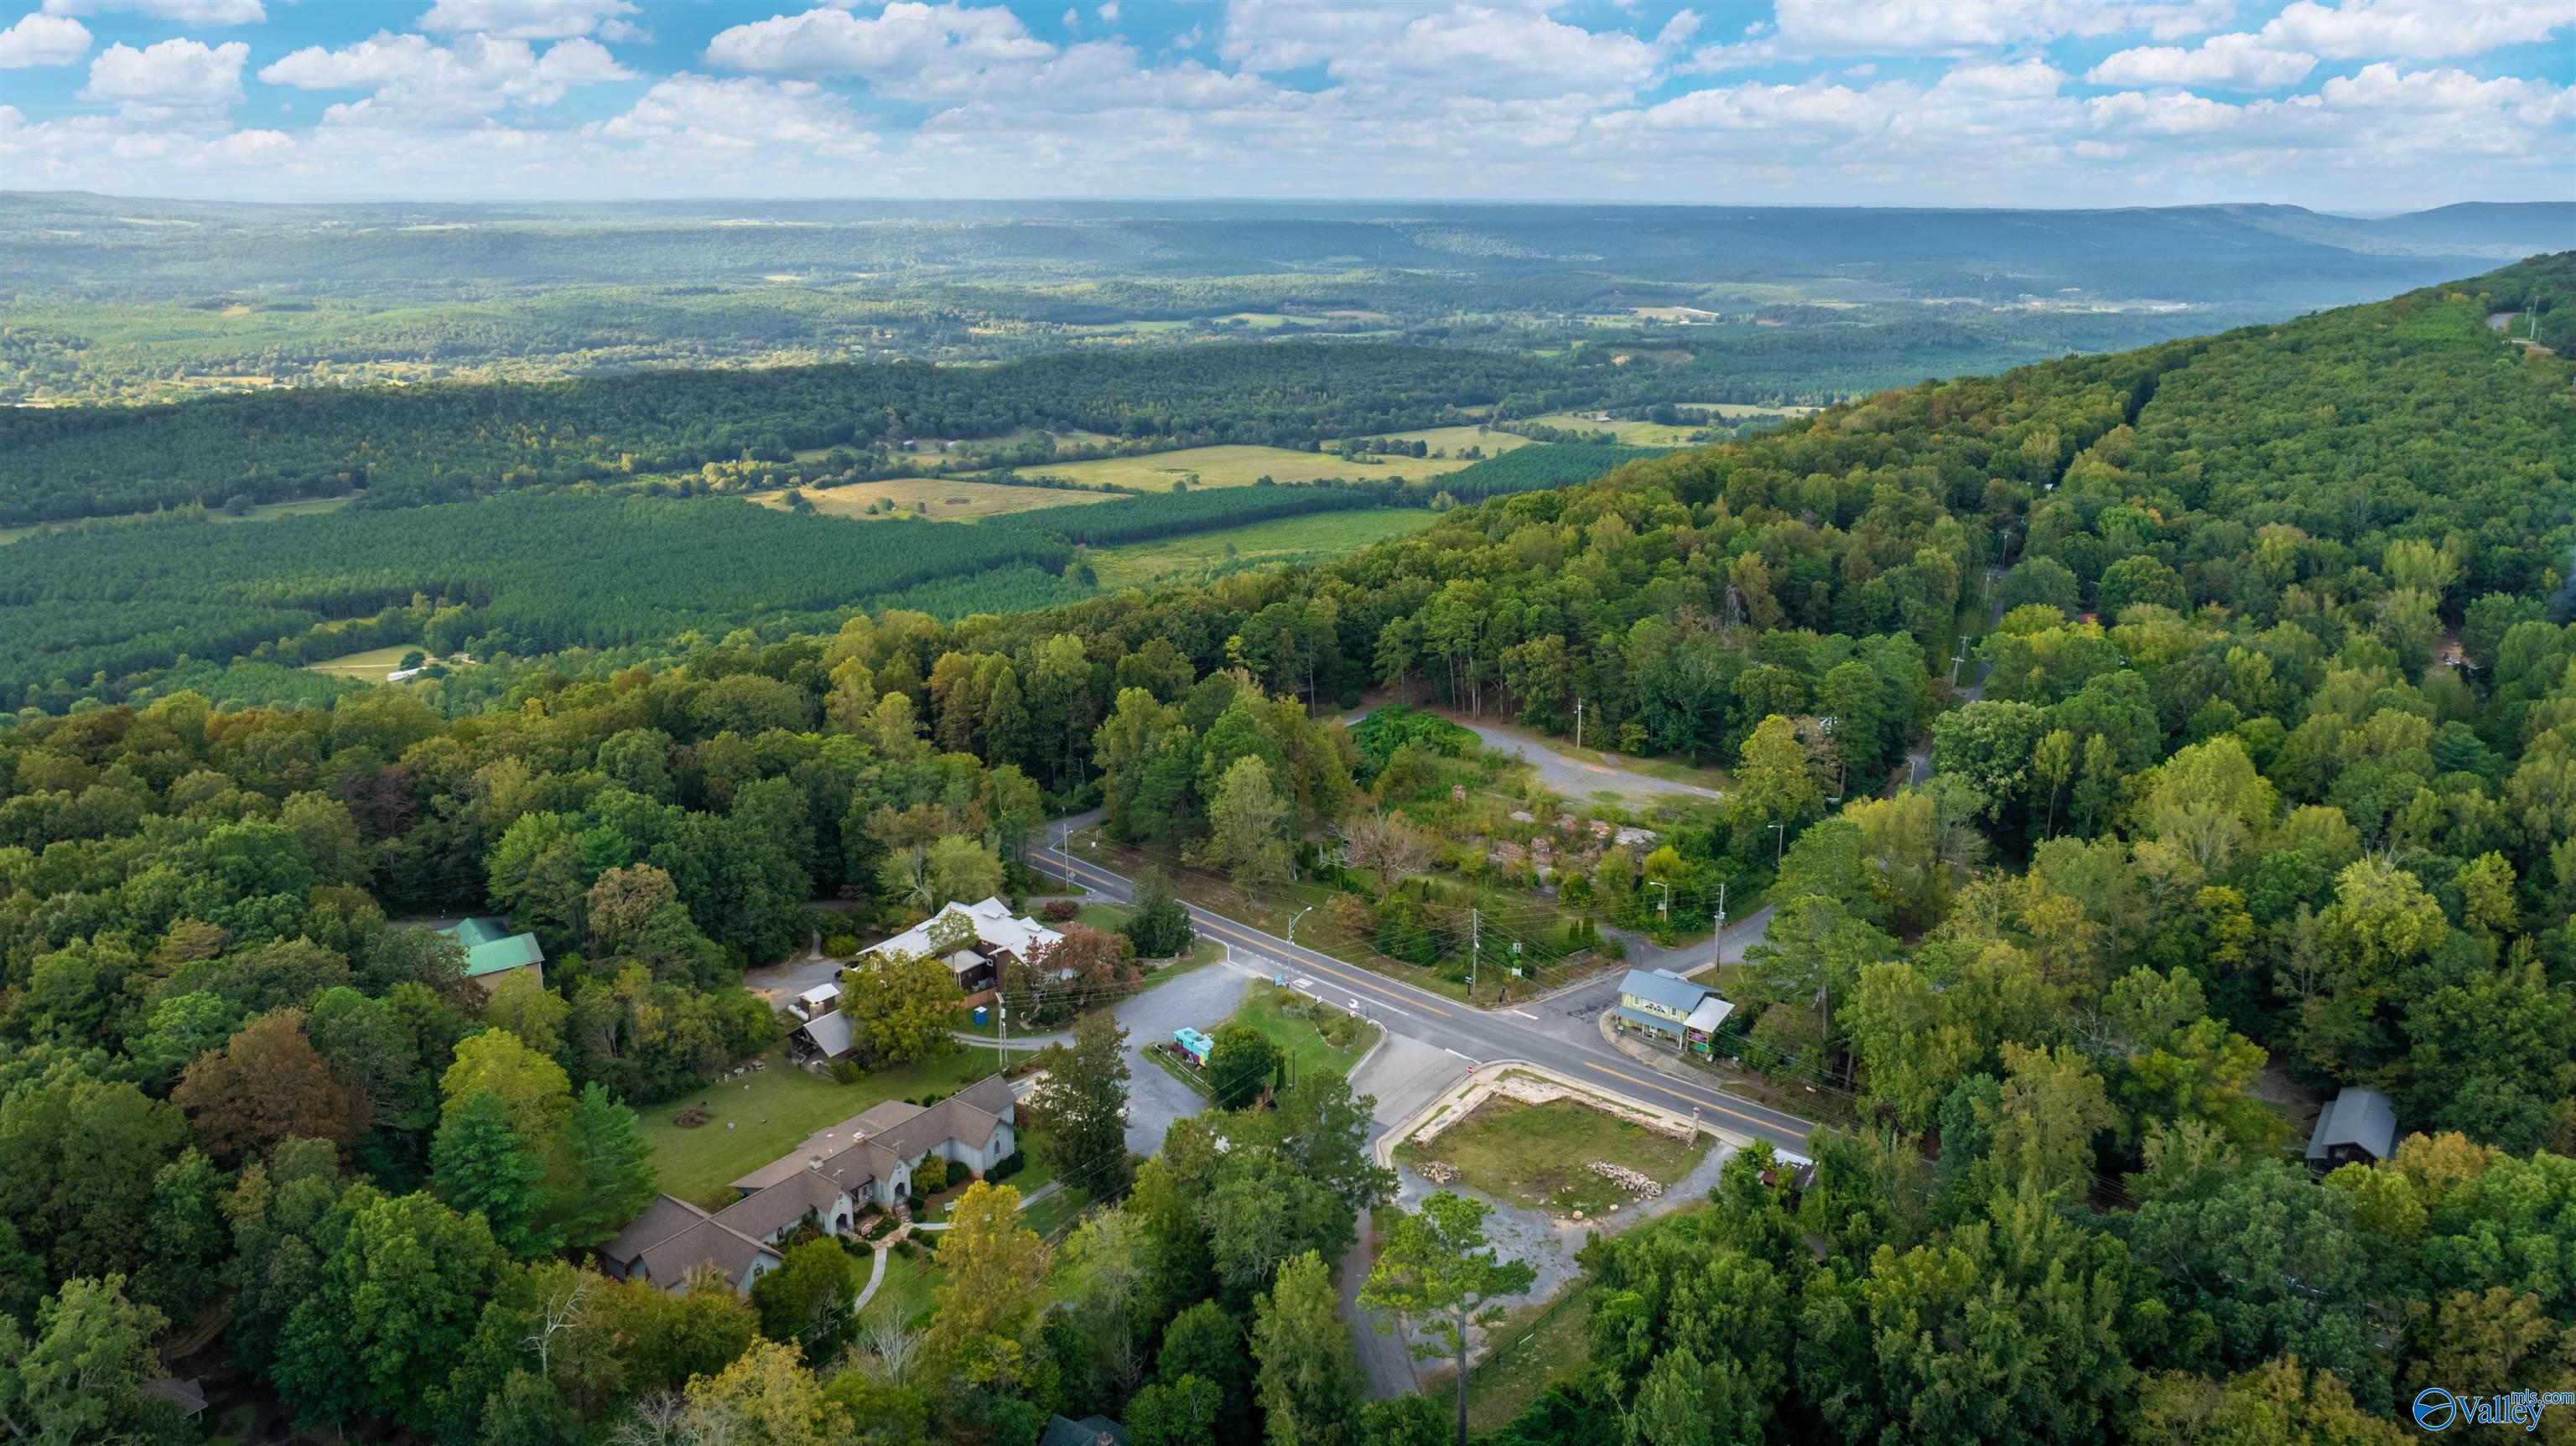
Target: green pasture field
1314, 538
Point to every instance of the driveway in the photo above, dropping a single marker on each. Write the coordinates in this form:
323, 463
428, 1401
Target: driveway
1574, 777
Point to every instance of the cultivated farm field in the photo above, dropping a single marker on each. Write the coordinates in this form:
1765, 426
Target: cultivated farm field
1241, 466
945, 499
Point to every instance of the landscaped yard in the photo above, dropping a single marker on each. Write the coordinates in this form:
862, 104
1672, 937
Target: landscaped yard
1540, 1156
1317, 1038
908, 1286
758, 1117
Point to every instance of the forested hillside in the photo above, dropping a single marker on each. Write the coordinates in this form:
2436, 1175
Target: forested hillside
2226, 831
442, 443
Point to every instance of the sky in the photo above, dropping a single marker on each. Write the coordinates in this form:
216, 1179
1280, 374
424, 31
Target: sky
2343, 105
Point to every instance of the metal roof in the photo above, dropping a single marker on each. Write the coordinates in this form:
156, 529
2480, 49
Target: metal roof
1663, 987
2358, 1117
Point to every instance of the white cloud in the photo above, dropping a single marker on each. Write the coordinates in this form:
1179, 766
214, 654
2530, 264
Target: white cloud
734, 116
2235, 62
42, 40
1108, 12
925, 49
174, 75
185, 12
415, 80
1809, 29
532, 19
2416, 29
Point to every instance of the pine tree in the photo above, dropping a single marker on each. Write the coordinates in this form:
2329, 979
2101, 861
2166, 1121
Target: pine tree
482, 1166
1309, 1381
616, 1168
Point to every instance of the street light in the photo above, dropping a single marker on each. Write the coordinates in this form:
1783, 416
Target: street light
1663, 906
1779, 843
1292, 922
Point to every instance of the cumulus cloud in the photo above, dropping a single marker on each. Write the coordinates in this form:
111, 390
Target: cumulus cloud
174, 75
416, 80
2232, 62
185, 12
935, 49
531, 19
1808, 29
42, 40
2416, 29
735, 115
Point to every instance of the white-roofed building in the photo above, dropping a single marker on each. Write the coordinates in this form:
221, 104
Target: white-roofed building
996, 939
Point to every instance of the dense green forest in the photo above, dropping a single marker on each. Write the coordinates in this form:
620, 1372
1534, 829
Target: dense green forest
450, 442
2227, 827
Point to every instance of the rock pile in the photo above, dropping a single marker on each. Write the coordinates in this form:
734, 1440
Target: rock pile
1644, 1187
1438, 1172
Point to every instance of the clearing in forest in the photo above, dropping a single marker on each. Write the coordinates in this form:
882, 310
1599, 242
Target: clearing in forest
944, 499
1241, 466
1541, 1156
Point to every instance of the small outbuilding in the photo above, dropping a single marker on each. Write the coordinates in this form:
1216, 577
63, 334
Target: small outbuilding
2357, 1126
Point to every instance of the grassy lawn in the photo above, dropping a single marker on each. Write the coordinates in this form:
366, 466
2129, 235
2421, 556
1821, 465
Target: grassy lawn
1539, 1156
1056, 1212
1318, 1037
1284, 540
1541, 1345
759, 1117
943, 499
907, 1289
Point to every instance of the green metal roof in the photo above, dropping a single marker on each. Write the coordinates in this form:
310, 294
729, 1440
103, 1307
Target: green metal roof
491, 948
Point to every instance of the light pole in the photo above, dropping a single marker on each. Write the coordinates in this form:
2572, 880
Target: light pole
1664, 905
1779, 844
1292, 922
1717, 939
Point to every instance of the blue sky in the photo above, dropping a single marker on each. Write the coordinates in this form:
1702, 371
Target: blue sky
2356, 105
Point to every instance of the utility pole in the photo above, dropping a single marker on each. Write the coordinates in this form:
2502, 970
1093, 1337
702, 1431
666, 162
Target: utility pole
1001, 1016
1664, 905
1475, 944
1578, 722
1717, 939
1779, 844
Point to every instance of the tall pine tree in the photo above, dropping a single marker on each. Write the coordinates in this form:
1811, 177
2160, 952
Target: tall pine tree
482, 1166
615, 1164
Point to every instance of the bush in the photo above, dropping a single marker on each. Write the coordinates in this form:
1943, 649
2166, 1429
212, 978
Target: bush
1241, 1065
1007, 1166
847, 1071
929, 1177
1613, 947
841, 946
1160, 927
1059, 911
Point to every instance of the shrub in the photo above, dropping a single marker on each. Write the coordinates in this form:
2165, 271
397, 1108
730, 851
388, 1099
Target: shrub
847, 1071
841, 946
1007, 1166
930, 1176
1059, 911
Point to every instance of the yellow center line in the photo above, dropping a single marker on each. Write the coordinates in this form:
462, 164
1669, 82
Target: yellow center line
1676, 1094
1262, 943
1253, 941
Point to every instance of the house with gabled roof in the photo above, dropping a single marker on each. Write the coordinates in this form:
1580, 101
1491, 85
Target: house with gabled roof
867, 1159
493, 953
995, 939
1663, 1004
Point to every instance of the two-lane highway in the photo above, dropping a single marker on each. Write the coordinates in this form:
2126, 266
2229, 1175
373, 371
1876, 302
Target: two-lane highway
1547, 1033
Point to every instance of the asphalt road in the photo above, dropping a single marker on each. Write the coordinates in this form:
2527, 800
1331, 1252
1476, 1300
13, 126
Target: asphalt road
1560, 1033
